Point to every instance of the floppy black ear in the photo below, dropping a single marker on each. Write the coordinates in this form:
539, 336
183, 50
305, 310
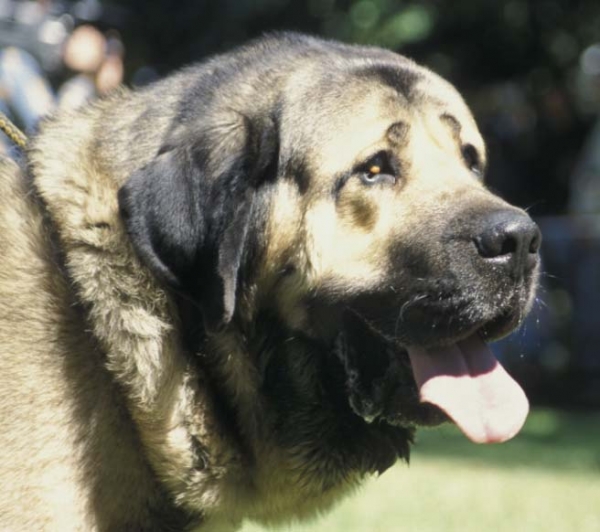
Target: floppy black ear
189, 211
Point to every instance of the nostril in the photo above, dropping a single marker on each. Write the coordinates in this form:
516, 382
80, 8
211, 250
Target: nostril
496, 241
509, 246
508, 236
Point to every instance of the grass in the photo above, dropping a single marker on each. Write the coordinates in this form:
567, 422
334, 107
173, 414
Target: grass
545, 480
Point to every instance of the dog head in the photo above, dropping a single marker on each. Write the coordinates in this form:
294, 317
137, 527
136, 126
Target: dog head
341, 189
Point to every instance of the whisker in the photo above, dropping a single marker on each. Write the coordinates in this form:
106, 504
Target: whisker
534, 204
547, 275
405, 306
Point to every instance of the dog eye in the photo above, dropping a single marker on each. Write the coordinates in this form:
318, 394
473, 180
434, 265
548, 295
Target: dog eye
378, 169
472, 160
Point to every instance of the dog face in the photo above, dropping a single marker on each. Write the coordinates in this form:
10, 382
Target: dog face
339, 189
395, 222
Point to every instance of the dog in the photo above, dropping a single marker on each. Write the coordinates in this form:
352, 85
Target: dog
234, 294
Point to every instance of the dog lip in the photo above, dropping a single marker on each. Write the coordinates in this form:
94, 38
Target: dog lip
491, 329
500, 326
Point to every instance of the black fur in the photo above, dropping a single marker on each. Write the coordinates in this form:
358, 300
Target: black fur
189, 224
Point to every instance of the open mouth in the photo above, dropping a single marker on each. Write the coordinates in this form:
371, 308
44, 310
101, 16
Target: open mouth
460, 380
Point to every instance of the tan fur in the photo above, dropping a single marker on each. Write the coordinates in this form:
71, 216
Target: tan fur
107, 422
131, 318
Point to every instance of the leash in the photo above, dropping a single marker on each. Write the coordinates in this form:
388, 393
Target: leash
12, 131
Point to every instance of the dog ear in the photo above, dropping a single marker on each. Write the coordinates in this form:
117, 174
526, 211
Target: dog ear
189, 211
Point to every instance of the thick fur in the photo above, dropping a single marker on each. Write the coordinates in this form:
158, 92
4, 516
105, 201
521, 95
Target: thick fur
206, 289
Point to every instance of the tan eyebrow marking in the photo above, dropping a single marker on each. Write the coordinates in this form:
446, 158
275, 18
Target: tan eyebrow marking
451, 121
467, 149
397, 133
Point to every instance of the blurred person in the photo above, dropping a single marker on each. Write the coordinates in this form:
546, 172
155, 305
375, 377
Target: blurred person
98, 62
24, 89
26, 94
111, 72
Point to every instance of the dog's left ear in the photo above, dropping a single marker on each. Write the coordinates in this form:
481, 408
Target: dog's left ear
189, 211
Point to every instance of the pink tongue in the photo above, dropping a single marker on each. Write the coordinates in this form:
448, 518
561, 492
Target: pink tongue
466, 381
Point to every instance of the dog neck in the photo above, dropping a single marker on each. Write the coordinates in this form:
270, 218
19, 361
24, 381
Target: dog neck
134, 320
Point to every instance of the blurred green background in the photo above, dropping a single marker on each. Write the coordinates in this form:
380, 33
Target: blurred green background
545, 480
530, 70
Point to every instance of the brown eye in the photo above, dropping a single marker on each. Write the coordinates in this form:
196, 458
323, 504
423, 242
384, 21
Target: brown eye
378, 169
373, 174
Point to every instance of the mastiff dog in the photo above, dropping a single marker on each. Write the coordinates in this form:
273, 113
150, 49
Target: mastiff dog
235, 293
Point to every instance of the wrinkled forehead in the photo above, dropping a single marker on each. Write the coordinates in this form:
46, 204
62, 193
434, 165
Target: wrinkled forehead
351, 109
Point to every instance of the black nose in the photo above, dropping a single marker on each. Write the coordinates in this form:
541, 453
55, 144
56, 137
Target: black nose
509, 237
